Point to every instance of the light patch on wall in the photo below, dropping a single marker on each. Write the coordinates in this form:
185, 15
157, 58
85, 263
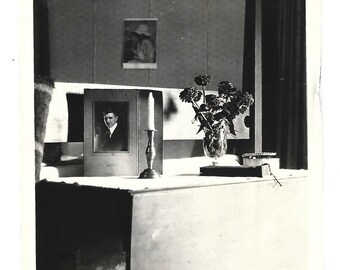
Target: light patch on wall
179, 121
57, 120
177, 116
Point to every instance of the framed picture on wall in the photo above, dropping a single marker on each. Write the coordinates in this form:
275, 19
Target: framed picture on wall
140, 46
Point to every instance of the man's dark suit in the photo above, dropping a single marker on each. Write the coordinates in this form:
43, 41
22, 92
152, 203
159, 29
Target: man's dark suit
117, 141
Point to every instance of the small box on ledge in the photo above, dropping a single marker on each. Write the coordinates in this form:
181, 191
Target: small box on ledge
235, 171
258, 159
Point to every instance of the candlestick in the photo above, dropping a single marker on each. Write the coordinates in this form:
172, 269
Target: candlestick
151, 112
150, 153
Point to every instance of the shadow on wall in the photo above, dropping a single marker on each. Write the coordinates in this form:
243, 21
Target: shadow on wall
171, 108
75, 104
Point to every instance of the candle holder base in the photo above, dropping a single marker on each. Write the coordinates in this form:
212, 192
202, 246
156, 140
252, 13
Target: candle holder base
149, 173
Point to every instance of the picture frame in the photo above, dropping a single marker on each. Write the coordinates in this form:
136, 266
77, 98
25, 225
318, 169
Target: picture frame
140, 44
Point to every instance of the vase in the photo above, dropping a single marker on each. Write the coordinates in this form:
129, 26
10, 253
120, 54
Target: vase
215, 143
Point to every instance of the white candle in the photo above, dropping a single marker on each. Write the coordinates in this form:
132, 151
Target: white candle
151, 112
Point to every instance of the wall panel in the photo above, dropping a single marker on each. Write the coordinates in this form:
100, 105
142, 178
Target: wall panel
86, 41
71, 40
109, 17
182, 37
225, 41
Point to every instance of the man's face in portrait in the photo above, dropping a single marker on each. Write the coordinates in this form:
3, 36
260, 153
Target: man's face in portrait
110, 119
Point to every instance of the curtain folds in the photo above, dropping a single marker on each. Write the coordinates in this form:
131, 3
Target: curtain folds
291, 111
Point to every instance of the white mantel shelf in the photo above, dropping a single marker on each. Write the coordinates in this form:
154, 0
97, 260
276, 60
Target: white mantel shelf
169, 182
178, 174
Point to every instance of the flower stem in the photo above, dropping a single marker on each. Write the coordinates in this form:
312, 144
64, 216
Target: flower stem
197, 107
203, 90
194, 103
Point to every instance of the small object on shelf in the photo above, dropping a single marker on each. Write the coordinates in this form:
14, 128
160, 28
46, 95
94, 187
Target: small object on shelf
150, 156
257, 159
259, 155
245, 171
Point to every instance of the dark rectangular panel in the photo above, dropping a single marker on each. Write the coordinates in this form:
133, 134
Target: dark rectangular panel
79, 227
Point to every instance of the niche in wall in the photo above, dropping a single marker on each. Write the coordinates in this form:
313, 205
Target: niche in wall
75, 103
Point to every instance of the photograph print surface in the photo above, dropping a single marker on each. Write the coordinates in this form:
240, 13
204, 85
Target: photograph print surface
140, 48
110, 126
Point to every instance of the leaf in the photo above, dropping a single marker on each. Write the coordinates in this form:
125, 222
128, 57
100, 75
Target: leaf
231, 128
198, 116
201, 128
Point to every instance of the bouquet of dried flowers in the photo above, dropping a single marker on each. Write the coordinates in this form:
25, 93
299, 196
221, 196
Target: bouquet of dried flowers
215, 111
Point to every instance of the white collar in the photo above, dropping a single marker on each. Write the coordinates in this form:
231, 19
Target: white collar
112, 129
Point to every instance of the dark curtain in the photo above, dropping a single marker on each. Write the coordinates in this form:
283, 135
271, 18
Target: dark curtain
41, 39
284, 81
291, 121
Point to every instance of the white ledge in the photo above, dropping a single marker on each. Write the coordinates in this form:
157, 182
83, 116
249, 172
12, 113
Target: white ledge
135, 185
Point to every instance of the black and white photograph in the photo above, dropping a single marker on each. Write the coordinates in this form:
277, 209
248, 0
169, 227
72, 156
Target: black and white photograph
171, 135
112, 123
140, 46
111, 126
